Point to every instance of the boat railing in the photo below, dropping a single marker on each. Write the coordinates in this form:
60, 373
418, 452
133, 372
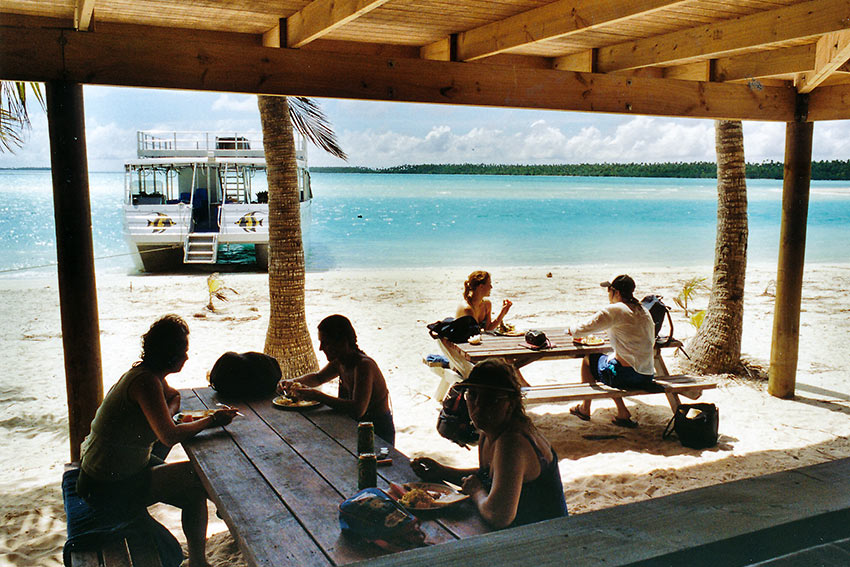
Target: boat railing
159, 144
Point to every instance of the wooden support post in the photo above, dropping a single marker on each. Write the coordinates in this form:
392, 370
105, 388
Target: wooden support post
75, 256
792, 247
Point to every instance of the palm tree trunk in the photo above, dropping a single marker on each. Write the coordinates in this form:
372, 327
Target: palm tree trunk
716, 348
287, 338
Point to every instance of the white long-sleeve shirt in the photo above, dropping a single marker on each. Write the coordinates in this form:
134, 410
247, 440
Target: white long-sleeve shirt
632, 334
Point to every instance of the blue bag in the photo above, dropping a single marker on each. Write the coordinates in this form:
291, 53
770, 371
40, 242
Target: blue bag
372, 515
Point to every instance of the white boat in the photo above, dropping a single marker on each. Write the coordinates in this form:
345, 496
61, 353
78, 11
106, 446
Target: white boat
190, 195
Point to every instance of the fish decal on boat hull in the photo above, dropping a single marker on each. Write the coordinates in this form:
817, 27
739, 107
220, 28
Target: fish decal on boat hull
161, 222
249, 222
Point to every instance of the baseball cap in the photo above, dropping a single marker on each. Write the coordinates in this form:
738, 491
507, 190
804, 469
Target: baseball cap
622, 283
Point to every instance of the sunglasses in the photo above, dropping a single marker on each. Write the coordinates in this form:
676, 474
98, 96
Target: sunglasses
472, 395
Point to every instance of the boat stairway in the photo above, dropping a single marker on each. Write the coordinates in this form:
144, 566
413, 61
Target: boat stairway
232, 179
201, 248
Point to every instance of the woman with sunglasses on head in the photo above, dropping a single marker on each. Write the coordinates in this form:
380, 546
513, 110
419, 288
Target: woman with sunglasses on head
476, 290
118, 470
517, 481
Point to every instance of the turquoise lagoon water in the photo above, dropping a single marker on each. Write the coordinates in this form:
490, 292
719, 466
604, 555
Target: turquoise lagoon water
372, 221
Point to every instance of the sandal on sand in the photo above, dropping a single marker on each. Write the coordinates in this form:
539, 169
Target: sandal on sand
624, 422
580, 414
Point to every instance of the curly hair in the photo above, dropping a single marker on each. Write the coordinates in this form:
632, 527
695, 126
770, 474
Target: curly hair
165, 341
475, 279
339, 327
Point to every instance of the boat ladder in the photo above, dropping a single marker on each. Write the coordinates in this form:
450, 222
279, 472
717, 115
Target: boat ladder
201, 248
233, 182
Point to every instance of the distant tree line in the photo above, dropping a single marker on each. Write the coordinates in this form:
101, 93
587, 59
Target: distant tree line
821, 170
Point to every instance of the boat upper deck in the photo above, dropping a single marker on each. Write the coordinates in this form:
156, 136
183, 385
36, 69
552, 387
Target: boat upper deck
164, 144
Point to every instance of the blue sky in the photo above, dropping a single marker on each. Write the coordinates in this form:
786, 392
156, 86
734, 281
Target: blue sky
381, 134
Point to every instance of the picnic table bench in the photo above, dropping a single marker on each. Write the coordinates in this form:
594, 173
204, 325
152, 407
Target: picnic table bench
277, 478
512, 349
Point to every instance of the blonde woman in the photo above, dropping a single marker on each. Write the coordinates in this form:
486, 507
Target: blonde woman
476, 290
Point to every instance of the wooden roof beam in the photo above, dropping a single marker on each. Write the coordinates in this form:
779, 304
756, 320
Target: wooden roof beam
558, 19
832, 52
772, 63
798, 21
320, 17
102, 58
829, 103
83, 12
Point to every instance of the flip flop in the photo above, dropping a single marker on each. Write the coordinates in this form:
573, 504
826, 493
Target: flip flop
628, 423
579, 414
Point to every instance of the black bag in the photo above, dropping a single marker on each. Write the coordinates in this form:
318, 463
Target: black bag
697, 431
246, 375
659, 313
454, 422
456, 330
536, 338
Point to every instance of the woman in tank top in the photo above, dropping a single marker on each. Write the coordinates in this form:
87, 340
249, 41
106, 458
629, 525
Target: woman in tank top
363, 392
517, 481
118, 469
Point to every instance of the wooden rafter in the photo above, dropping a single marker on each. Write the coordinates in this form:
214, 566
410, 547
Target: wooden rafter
83, 11
798, 21
320, 17
97, 58
832, 52
773, 63
551, 21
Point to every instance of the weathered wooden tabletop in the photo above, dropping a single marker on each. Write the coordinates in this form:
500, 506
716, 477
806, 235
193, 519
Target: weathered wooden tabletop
277, 478
512, 349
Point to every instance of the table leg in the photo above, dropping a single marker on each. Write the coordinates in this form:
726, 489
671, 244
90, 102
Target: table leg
673, 398
660, 367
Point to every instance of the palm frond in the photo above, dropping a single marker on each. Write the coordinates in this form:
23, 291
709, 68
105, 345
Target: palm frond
311, 122
14, 118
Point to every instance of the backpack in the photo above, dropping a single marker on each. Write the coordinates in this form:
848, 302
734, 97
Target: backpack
659, 313
454, 422
456, 330
246, 375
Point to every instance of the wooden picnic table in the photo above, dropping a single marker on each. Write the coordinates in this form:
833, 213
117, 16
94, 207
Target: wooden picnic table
277, 478
510, 348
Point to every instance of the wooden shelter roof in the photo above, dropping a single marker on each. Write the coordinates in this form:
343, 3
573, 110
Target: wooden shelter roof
745, 59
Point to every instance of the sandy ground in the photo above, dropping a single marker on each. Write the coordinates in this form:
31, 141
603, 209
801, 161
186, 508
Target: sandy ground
390, 308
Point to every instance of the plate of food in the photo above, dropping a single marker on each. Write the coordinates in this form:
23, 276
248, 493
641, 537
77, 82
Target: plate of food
192, 415
508, 330
287, 403
590, 340
420, 496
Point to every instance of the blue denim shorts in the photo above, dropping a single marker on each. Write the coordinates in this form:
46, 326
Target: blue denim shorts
607, 369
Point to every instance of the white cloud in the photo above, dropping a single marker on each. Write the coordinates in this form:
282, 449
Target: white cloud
236, 103
639, 139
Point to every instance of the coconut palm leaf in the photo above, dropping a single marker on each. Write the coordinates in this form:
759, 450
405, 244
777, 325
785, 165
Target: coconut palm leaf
14, 118
311, 122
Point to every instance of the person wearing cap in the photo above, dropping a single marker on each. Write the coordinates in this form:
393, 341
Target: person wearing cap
632, 335
517, 481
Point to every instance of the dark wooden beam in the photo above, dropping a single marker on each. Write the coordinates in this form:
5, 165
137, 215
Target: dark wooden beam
75, 255
782, 374
117, 59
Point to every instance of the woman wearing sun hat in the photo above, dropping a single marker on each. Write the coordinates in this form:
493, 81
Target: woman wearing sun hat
632, 335
518, 481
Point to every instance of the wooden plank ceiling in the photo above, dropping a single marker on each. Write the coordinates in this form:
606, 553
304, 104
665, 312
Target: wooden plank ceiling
745, 59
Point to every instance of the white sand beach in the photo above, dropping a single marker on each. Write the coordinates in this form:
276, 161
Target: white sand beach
389, 308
